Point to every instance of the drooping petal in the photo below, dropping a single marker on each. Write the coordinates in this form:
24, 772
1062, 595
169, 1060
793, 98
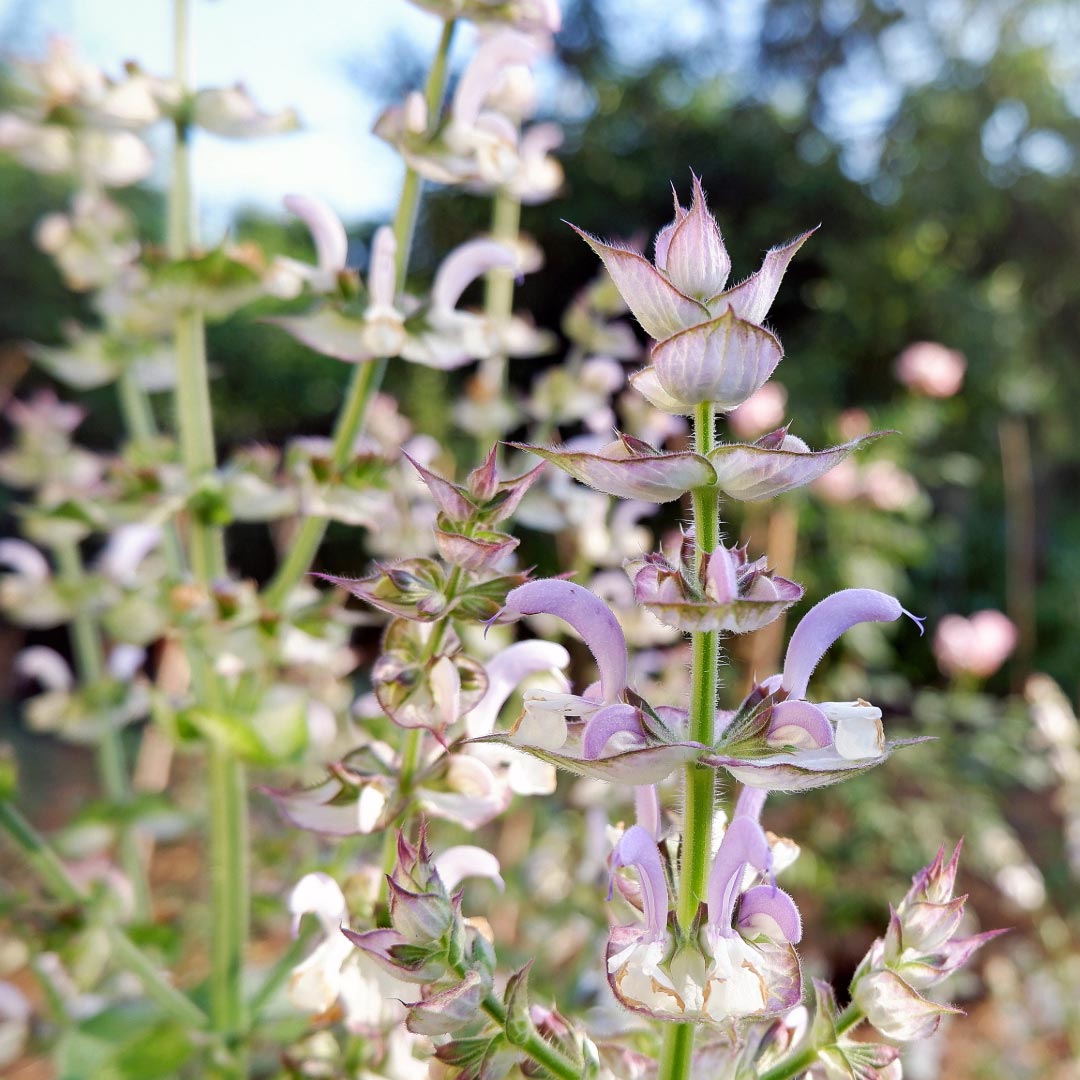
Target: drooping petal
607, 722
750, 472
744, 844
455, 864
320, 895
767, 910
505, 671
752, 298
327, 808
820, 627
46, 667
695, 258
637, 849
463, 266
629, 472
723, 361
331, 243
588, 615
660, 308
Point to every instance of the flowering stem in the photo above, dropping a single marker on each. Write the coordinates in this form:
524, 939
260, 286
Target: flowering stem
368, 376
123, 950
796, 1064
699, 783
112, 768
228, 833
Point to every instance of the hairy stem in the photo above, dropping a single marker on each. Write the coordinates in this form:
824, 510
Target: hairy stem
368, 376
535, 1046
123, 950
699, 782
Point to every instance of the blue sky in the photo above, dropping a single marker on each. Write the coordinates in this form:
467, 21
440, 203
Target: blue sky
288, 52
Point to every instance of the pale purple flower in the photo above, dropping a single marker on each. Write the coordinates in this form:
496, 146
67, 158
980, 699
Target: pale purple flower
743, 965
795, 744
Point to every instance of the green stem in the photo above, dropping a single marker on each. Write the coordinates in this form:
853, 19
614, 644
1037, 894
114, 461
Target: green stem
699, 784
538, 1048
112, 768
368, 376
135, 407
123, 950
796, 1064
499, 295
228, 832
281, 971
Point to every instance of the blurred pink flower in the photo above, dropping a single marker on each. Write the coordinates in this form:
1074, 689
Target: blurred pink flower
931, 369
974, 646
840, 485
887, 486
853, 423
761, 411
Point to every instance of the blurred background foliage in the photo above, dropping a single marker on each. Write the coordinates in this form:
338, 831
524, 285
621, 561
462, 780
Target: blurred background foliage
936, 143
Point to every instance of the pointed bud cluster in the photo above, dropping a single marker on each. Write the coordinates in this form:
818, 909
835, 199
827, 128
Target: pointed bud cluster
920, 949
711, 344
729, 593
464, 529
429, 942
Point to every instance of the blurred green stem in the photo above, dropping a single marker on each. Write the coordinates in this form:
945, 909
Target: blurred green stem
368, 376
123, 950
112, 768
699, 782
499, 299
228, 833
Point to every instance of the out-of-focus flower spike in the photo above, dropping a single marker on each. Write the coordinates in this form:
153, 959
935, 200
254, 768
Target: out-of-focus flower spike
752, 298
382, 273
327, 231
767, 910
637, 849
744, 844
608, 722
823, 624
588, 615
463, 266
498, 52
